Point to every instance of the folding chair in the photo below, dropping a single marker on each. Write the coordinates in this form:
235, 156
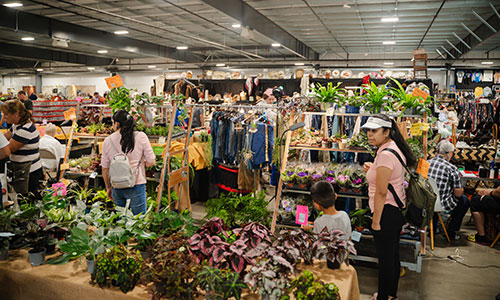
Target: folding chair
437, 209
50, 163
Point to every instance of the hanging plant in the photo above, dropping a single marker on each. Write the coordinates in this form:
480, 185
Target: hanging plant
329, 94
119, 98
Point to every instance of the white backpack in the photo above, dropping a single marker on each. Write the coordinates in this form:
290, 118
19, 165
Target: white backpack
121, 174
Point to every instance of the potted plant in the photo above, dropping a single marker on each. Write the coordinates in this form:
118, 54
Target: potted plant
328, 94
343, 181
316, 177
308, 286
375, 97
219, 284
303, 180
172, 268
289, 178
403, 101
37, 256
359, 219
343, 141
354, 104
118, 267
270, 277
334, 246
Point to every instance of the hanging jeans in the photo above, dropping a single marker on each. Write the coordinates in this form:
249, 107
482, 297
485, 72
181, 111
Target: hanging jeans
387, 247
137, 196
262, 146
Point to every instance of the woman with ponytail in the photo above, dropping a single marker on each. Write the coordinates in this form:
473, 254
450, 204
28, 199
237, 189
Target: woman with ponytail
140, 155
23, 139
388, 220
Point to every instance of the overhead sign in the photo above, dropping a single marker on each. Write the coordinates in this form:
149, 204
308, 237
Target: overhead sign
114, 81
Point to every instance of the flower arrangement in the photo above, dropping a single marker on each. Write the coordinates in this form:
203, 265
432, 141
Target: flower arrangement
303, 179
289, 177
343, 181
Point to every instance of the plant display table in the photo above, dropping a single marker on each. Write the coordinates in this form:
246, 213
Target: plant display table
21, 281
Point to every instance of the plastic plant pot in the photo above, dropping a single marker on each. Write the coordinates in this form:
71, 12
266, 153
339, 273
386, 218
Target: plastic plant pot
37, 257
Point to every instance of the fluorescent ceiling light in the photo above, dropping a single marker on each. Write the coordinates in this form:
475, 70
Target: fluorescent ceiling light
13, 4
389, 19
487, 63
299, 64
39, 70
182, 47
220, 65
151, 67
389, 42
388, 63
90, 68
236, 25
28, 38
121, 32
276, 44
102, 51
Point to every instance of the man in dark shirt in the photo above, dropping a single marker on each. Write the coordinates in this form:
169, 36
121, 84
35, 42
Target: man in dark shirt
21, 95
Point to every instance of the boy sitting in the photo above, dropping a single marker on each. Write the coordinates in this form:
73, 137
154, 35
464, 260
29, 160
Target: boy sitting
323, 197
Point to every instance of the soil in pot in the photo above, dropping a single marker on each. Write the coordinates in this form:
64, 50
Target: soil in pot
37, 256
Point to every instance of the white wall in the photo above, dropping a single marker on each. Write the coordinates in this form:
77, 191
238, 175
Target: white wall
16, 82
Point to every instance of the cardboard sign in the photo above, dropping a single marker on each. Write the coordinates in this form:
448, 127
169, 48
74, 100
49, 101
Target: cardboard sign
64, 166
114, 81
302, 215
59, 189
70, 114
423, 167
419, 93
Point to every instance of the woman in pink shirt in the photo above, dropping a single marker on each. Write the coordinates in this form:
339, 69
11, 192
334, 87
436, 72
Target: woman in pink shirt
140, 155
387, 217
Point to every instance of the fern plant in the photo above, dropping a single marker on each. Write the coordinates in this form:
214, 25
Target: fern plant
329, 93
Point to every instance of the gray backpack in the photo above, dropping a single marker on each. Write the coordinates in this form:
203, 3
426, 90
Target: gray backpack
121, 174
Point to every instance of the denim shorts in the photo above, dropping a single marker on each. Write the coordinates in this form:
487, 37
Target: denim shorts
137, 196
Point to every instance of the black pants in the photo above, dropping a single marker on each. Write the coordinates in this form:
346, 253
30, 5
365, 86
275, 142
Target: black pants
34, 183
387, 246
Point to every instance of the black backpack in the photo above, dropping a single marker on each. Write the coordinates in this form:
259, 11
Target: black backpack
420, 197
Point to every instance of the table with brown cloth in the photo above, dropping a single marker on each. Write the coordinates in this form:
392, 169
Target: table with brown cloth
21, 281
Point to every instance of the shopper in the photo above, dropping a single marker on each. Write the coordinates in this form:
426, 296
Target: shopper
323, 197
451, 192
23, 139
50, 143
486, 202
4, 153
140, 155
21, 95
387, 217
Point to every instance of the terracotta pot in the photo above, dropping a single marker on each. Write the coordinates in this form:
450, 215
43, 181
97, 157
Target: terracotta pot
344, 189
302, 186
290, 184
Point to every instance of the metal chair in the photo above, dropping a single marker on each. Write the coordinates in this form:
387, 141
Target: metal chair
437, 209
50, 163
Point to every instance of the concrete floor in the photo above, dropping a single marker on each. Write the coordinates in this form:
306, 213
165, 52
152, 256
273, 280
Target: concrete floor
441, 279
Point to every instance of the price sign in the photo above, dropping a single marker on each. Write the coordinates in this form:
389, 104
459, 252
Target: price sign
64, 166
161, 140
70, 114
356, 236
419, 93
423, 167
416, 129
114, 81
93, 175
302, 215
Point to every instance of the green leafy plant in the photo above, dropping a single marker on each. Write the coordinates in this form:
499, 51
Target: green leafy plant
270, 277
359, 218
219, 284
375, 97
118, 267
236, 210
329, 93
402, 100
171, 269
120, 98
307, 286
78, 244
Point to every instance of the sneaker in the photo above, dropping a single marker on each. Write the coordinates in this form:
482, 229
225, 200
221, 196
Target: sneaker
476, 238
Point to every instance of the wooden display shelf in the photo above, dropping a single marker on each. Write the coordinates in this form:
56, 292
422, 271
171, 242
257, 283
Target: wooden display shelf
340, 195
327, 149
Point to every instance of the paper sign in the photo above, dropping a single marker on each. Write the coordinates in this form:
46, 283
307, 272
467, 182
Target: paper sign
423, 167
79, 99
356, 236
419, 93
302, 215
330, 111
64, 166
161, 140
59, 189
424, 126
93, 175
65, 181
416, 129
70, 114
114, 81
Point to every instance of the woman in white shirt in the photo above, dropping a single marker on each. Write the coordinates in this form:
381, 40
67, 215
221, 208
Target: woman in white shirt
50, 143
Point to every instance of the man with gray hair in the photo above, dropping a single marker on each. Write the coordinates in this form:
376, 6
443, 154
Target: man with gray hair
451, 192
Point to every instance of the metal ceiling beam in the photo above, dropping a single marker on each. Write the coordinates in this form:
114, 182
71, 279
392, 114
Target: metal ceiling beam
432, 22
42, 54
16, 64
248, 16
480, 35
27, 22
